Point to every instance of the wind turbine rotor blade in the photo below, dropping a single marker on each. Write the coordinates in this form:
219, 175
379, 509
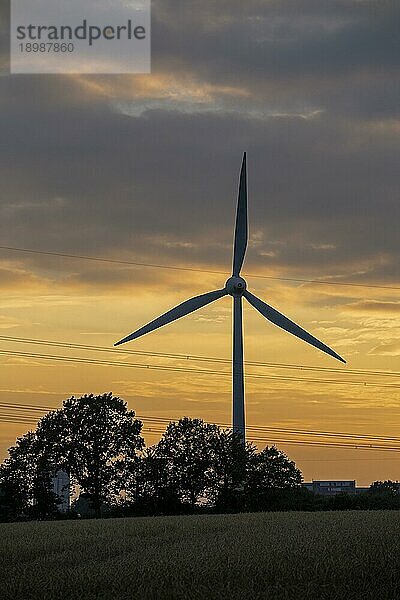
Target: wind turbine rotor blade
175, 313
241, 229
281, 321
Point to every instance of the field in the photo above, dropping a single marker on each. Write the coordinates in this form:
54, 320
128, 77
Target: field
252, 556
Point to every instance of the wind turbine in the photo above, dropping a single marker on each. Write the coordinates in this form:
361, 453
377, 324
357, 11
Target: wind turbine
237, 288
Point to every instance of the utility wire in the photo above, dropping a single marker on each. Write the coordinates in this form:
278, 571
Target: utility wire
154, 421
355, 446
299, 460
288, 430
269, 440
176, 268
69, 359
27, 407
190, 357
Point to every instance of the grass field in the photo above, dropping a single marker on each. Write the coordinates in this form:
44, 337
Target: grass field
342, 555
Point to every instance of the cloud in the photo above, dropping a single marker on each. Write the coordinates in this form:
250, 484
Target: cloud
145, 168
123, 195
292, 53
19, 278
386, 350
10, 322
374, 306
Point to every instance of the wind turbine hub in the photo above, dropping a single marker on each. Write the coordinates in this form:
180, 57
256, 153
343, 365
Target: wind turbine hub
235, 286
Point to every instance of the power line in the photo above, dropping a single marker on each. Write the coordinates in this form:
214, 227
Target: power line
301, 460
176, 268
17, 419
26, 407
190, 357
289, 430
355, 447
252, 438
69, 359
264, 429
328, 444
165, 420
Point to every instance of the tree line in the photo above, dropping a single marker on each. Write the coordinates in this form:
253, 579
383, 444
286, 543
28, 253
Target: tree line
196, 466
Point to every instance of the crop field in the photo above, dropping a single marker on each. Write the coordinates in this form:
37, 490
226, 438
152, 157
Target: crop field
250, 556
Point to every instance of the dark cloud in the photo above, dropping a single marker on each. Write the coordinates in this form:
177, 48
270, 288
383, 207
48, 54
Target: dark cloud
96, 181
85, 168
293, 54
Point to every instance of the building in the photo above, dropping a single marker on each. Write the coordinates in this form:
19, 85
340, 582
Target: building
333, 487
60, 485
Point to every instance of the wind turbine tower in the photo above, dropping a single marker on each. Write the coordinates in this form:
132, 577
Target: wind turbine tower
237, 288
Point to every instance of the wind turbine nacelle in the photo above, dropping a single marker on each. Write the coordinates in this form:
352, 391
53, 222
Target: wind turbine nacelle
235, 286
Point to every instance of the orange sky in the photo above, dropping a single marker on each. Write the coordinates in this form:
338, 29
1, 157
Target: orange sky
145, 169
86, 316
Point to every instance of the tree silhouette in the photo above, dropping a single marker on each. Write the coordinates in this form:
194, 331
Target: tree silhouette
271, 468
389, 487
186, 452
26, 476
96, 440
17, 474
273, 481
231, 461
151, 488
384, 494
197, 462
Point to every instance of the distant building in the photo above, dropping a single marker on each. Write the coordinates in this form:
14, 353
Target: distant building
331, 488
60, 485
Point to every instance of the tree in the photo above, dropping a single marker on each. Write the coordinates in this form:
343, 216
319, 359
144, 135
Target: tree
186, 453
231, 460
391, 488
96, 440
273, 480
26, 478
197, 462
383, 495
271, 468
151, 489
17, 473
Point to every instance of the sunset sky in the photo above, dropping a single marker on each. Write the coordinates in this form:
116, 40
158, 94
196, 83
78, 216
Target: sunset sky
145, 169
